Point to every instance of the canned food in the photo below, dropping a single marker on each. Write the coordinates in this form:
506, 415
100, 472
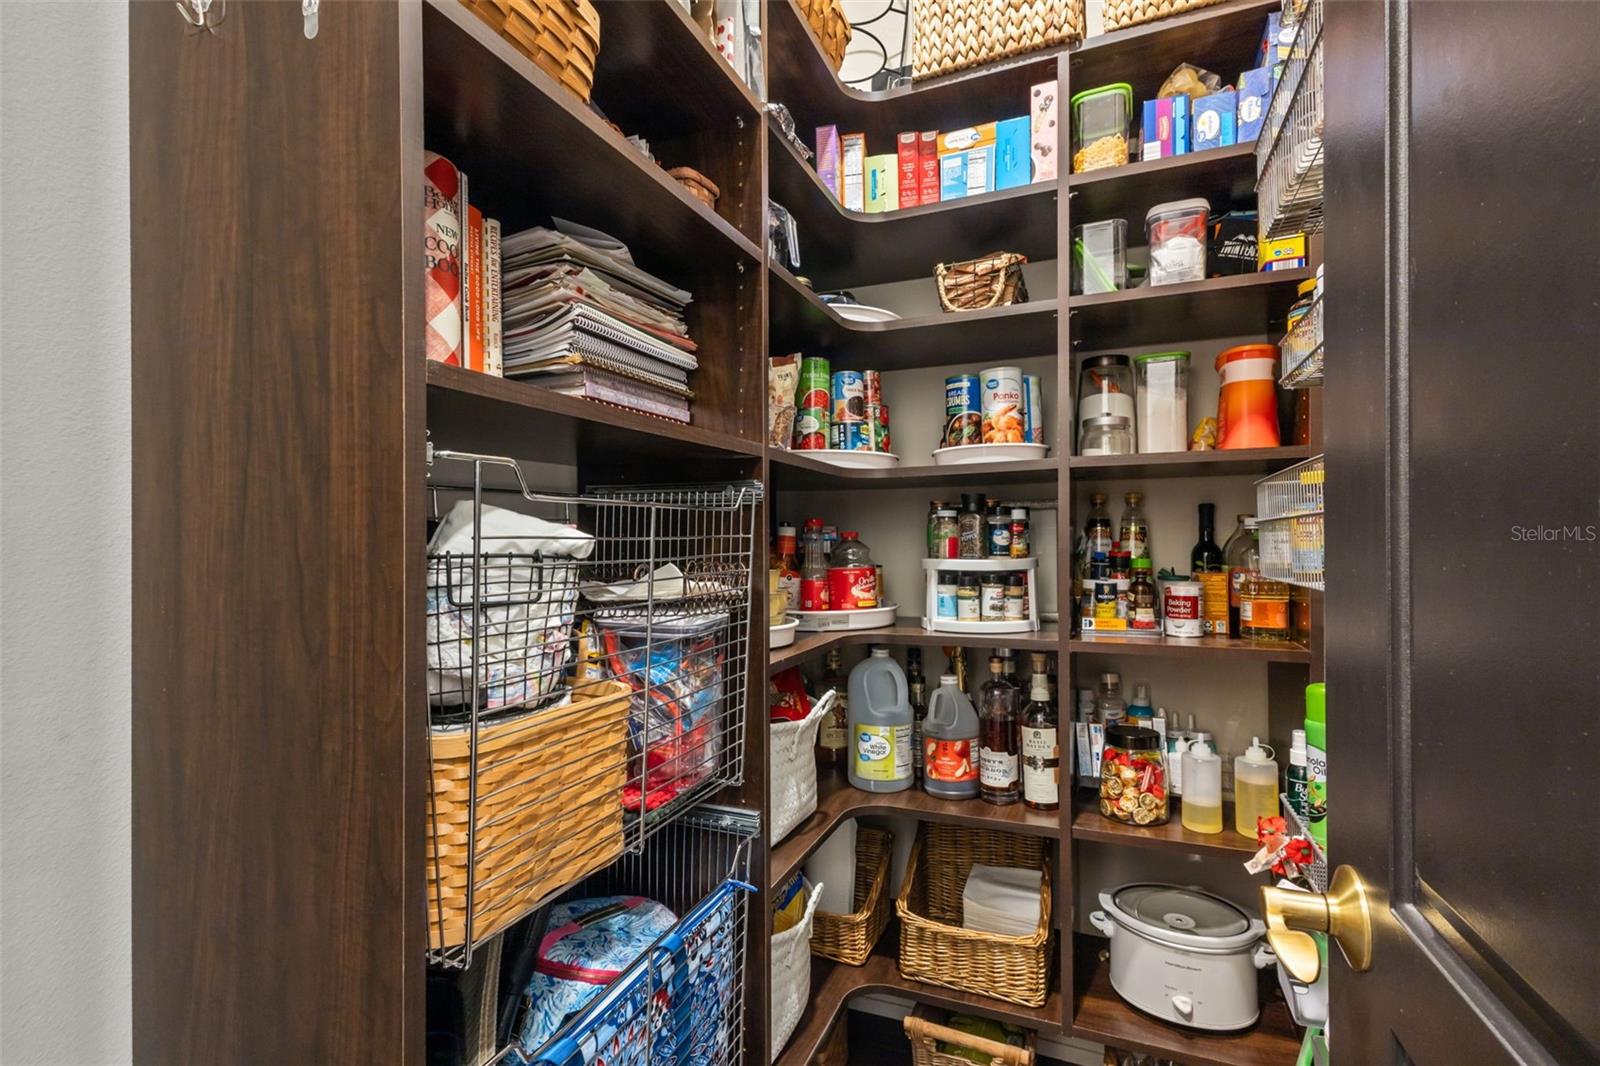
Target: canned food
852, 588
963, 410
880, 429
1180, 601
816, 383
1033, 409
851, 437
849, 397
872, 386
1002, 405
811, 428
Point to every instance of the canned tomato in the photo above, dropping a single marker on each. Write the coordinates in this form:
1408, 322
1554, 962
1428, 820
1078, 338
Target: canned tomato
1033, 409
849, 397
811, 428
816, 383
963, 410
1181, 606
852, 588
1004, 420
872, 386
880, 430
851, 437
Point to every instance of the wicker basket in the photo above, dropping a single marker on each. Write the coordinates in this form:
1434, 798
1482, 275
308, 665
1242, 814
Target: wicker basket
933, 946
994, 280
696, 184
831, 25
1120, 14
951, 35
925, 1029
526, 848
562, 37
850, 938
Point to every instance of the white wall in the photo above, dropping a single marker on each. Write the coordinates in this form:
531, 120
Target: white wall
64, 532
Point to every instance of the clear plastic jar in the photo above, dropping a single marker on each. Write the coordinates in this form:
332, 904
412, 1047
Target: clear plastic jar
1133, 777
1105, 387
1100, 122
1107, 435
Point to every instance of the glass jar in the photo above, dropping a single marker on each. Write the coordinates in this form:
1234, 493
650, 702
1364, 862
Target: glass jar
1105, 387
945, 541
1107, 435
1133, 777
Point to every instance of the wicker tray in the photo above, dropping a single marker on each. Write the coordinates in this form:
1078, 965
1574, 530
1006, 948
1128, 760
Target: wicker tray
993, 280
951, 35
1120, 14
933, 946
925, 1028
850, 938
831, 25
562, 37
525, 848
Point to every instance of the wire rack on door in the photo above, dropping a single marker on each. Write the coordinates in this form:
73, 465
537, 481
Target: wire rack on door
1289, 524
587, 659
1289, 149
682, 1002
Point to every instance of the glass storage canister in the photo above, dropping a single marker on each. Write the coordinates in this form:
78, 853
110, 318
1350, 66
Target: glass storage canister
1100, 257
1107, 435
1100, 119
1105, 387
1163, 401
1176, 233
1133, 776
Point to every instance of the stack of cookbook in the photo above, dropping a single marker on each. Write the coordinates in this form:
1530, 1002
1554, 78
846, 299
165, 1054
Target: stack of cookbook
583, 320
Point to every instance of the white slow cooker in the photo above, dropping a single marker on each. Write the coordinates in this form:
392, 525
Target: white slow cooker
1184, 955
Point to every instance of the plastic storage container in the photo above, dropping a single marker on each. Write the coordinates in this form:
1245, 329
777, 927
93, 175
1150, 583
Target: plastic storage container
1133, 776
1107, 435
1105, 387
1247, 399
1176, 233
1100, 127
998, 611
880, 725
950, 743
1163, 401
1100, 257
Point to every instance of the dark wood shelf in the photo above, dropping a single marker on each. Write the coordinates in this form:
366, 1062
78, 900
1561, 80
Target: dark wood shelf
808, 86
472, 411
654, 57
532, 150
838, 801
1256, 462
798, 470
1241, 305
834, 985
1192, 648
1090, 825
1099, 1014
841, 248
1224, 176
909, 632
799, 322
1222, 38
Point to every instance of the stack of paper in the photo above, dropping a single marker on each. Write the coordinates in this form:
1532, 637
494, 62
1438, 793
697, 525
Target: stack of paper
1003, 900
583, 320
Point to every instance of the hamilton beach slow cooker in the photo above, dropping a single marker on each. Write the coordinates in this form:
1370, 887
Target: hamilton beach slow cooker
1184, 955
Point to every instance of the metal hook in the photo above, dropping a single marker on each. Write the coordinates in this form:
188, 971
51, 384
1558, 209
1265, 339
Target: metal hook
197, 14
308, 8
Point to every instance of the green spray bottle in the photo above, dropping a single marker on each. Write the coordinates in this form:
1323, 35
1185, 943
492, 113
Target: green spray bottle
1317, 762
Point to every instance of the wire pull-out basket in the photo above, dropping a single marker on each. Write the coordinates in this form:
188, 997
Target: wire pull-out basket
587, 658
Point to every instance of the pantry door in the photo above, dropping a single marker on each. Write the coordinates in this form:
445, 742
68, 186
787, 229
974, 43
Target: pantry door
1463, 444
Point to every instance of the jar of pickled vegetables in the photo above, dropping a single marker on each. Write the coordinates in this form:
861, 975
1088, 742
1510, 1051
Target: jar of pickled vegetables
1133, 777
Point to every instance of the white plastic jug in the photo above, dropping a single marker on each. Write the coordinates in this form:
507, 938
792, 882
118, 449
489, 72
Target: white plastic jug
880, 725
950, 743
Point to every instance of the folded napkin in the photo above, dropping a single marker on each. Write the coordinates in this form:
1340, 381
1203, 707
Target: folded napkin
1003, 900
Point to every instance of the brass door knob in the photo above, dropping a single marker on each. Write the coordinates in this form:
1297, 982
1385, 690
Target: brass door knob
1342, 912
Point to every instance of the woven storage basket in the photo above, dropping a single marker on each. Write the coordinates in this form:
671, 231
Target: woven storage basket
850, 938
951, 35
831, 25
696, 184
576, 757
562, 37
994, 280
1120, 14
925, 1028
933, 946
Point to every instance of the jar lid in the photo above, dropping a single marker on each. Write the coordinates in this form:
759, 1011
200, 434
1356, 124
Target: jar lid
1247, 351
1105, 360
1141, 563
1121, 88
1161, 357
1015, 581
1108, 422
1133, 738
945, 512
1181, 910
1178, 208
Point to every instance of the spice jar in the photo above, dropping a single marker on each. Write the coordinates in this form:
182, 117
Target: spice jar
1016, 606
971, 527
945, 593
992, 597
1142, 615
945, 539
968, 595
1019, 533
1133, 776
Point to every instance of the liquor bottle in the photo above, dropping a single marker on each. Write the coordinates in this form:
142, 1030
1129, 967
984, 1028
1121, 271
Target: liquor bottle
1134, 530
1210, 570
833, 737
917, 688
1000, 739
1243, 559
1097, 529
1041, 747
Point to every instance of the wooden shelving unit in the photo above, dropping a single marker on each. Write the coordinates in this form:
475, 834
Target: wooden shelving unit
797, 470
908, 632
1253, 462
1088, 824
1196, 648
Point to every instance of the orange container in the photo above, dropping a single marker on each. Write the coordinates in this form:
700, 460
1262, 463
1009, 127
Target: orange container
1247, 402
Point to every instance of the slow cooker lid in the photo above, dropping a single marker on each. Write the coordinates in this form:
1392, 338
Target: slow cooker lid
1182, 910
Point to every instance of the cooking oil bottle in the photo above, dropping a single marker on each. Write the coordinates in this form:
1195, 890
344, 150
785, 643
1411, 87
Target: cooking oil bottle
1255, 787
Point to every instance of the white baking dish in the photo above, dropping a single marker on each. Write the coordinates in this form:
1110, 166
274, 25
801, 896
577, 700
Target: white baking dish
1184, 955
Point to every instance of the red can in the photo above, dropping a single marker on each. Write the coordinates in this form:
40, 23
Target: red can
852, 588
